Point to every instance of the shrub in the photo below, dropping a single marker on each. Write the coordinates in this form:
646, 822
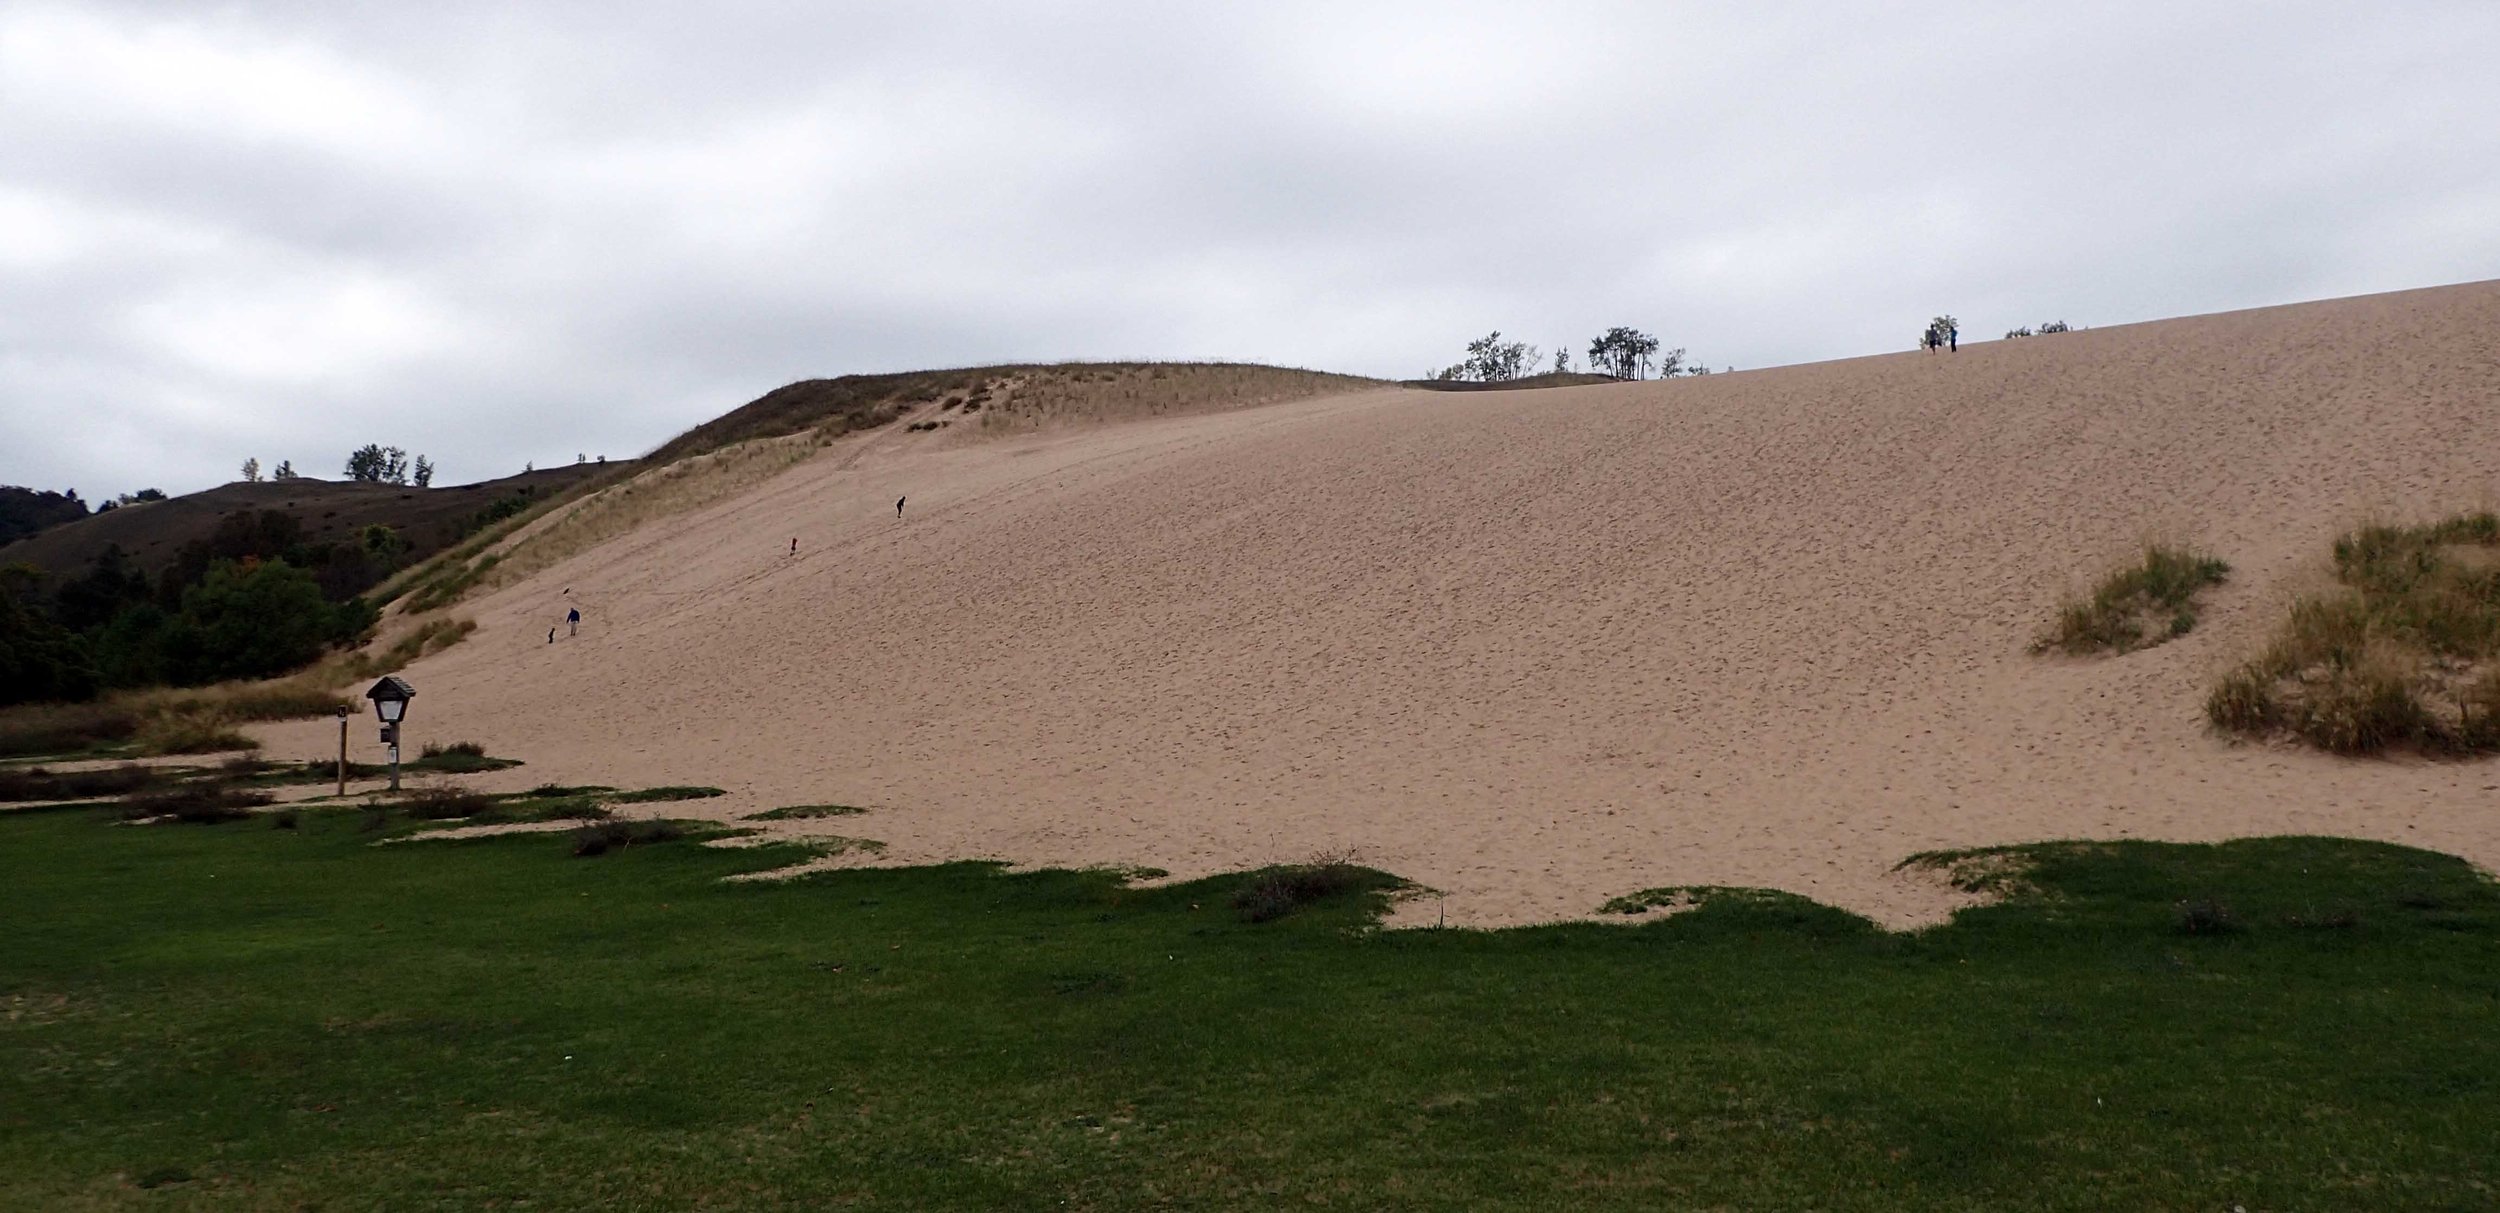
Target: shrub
2155, 598
1272, 893
285, 819
617, 835
469, 748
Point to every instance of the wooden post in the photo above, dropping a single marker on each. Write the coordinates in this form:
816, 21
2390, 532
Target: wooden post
342, 751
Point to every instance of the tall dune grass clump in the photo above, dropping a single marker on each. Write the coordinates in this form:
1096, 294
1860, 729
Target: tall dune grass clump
2136, 607
2403, 653
190, 720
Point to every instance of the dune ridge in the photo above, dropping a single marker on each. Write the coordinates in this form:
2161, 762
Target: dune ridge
1531, 649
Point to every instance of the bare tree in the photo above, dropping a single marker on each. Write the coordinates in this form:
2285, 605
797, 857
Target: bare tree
251, 470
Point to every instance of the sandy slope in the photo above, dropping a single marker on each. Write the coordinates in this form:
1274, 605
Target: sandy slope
1533, 649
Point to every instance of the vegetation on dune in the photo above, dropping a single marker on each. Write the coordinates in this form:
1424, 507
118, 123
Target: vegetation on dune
1272, 893
663, 794
1617, 354
1023, 393
295, 1017
120, 722
2404, 652
2138, 606
805, 812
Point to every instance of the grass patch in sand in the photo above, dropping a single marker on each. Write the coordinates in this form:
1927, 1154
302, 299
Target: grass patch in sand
805, 812
663, 794
2403, 653
2135, 607
297, 1017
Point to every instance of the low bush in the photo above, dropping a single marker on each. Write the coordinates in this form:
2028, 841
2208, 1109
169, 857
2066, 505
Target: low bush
2135, 607
2403, 653
1272, 893
617, 835
460, 758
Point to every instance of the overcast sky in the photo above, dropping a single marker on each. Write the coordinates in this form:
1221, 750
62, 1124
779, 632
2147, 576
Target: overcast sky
498, 233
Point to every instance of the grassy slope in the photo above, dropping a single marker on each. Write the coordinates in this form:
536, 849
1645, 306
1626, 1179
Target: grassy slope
296, 1016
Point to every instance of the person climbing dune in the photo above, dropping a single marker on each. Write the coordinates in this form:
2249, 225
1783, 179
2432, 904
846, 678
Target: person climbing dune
573, 622
898, 507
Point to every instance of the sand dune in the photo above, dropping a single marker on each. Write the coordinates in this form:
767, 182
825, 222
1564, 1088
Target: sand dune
1534, 649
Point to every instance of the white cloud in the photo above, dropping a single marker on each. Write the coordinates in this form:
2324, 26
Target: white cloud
498, 232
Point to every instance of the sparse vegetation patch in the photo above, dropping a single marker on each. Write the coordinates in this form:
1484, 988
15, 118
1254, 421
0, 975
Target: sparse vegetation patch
2403, 653
662, 794
1272, 893
804, 812
2136, 607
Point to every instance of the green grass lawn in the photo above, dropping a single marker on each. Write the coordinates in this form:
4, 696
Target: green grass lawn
242, 1016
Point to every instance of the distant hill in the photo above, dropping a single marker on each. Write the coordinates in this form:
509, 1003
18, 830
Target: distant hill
152, 533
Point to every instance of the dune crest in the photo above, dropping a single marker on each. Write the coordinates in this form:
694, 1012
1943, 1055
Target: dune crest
1533, 649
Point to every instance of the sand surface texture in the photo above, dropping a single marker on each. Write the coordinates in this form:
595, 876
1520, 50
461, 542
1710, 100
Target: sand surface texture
1532, 649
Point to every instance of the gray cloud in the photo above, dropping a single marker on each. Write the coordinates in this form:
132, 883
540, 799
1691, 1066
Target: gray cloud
508, 233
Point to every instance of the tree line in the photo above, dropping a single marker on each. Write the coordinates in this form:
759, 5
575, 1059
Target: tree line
255, 599
1622, 352
371, 463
